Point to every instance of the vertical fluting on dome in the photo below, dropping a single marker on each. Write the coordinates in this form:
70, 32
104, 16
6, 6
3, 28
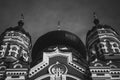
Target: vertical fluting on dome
103, 48
15, 51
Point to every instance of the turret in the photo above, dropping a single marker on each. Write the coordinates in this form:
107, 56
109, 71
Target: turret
103, 42
103, 48
16, 51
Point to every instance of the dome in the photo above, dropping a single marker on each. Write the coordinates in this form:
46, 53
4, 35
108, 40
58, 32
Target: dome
58, 37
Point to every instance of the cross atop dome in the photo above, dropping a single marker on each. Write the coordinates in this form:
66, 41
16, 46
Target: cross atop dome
20, 22
96, 20
58, 26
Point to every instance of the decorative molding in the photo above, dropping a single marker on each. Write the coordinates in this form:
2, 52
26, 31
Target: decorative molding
45, 62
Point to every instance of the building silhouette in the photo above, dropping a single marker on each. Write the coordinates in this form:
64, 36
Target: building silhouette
60, 55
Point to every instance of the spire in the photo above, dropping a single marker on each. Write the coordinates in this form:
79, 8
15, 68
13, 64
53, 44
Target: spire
96, 20
59, 26
20, 22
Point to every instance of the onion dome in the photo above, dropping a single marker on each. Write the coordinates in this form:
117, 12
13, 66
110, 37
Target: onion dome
56, 38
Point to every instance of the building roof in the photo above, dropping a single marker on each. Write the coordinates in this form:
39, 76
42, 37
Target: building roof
58, 37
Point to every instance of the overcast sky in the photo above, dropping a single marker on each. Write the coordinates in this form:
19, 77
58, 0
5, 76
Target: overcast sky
76, 16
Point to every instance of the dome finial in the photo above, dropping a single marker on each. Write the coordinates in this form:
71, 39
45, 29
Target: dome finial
59, 26
96, 20
20, 22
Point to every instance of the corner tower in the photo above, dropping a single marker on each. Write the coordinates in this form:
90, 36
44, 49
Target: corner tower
103, 47
15, 52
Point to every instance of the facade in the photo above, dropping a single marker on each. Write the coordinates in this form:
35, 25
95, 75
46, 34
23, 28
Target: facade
60, 55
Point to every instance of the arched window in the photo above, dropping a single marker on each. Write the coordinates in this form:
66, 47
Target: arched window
25, 55
14, 51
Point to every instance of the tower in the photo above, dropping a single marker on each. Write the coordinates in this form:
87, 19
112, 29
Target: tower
15, 52
103, 49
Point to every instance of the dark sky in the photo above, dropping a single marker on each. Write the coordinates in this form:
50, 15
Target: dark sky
41, 16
